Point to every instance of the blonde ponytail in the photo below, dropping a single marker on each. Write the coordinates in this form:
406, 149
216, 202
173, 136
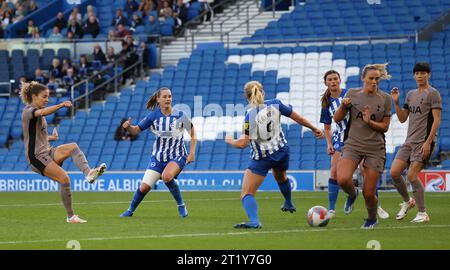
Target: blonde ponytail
382, 68
254, 92
27, 91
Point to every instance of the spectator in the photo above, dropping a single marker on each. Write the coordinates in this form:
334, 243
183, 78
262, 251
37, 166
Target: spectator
6, 18
128, 57
143, 53
67, 63
166, 10
135, 22
146, 7
75, 15
53, 84
70, 78
84, 66
92, 27
39, 76
60, 21
56, 69
22, 80
119, 19
122, 31
70, 36
89, 11
130, 7
182, 11
99, 55
122, 134
20, 13
152, 29
32, 7
111, 56
30, 28
75, 29
55, 35
112, 35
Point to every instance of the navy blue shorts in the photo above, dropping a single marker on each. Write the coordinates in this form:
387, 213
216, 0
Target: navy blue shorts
278, 160
158, 166
337, 145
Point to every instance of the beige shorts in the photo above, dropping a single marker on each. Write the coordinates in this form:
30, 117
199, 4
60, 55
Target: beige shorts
42, 160
412, 152
375, 161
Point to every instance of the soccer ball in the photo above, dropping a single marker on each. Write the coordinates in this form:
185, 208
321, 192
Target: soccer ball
318, 216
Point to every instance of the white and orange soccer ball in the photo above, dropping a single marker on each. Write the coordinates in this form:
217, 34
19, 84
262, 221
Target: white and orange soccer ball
318, 216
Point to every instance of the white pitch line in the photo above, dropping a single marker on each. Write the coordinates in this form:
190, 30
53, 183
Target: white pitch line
246, 232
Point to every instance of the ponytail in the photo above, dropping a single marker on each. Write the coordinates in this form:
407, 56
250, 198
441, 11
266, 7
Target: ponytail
254, 92
27, 91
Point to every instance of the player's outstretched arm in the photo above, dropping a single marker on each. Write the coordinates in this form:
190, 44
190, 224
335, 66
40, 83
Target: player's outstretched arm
52, 109
133, 130
242, 142
304, 122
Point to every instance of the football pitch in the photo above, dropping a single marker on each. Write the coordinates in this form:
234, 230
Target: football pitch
37, 221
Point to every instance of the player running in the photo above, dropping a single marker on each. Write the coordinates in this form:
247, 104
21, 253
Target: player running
269, 149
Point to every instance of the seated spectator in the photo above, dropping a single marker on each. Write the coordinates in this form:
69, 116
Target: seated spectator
67, 63
122, 31
112, 35
152, 29
6, 18
143, 53
99, 55
56, 35
146, 7
182, 11
135, 22
119, 19
32, 6
39, 76
84, 67
111, 56
75, 15
166, 10
20, 13
53, 84
75, 29
70, 36
92, 27
122, 134
56, 69
22, 80
30, 28
130, 7
60, 21
70, 78
90, 10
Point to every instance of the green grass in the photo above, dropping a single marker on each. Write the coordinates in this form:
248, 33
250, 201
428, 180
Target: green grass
37, 221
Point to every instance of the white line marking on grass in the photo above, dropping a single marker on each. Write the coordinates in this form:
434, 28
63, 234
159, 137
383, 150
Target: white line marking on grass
237, 233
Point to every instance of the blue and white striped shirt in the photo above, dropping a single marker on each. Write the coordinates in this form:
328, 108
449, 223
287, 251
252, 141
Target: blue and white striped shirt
326, 117
263, 126
169, 143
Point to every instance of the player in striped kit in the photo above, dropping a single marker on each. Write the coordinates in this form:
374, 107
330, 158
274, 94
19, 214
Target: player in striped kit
169, 155
331, 100
269, 149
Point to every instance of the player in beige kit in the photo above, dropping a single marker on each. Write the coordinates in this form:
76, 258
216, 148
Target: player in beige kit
423, 107
370, 115
41, 157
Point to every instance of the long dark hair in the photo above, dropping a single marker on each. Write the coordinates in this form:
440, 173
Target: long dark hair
152, 102
325, 100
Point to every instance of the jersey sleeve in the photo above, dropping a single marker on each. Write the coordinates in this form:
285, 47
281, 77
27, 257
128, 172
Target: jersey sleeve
285, 110
436, 100
325, 116
387, 106
146, 122
28, 113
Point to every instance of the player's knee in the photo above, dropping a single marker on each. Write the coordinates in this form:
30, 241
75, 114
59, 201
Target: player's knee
412, 176
395, 174
64, 179
166, 177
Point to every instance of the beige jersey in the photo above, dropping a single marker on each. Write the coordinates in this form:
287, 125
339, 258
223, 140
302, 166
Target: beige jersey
35, 136
420, 106
359, 135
